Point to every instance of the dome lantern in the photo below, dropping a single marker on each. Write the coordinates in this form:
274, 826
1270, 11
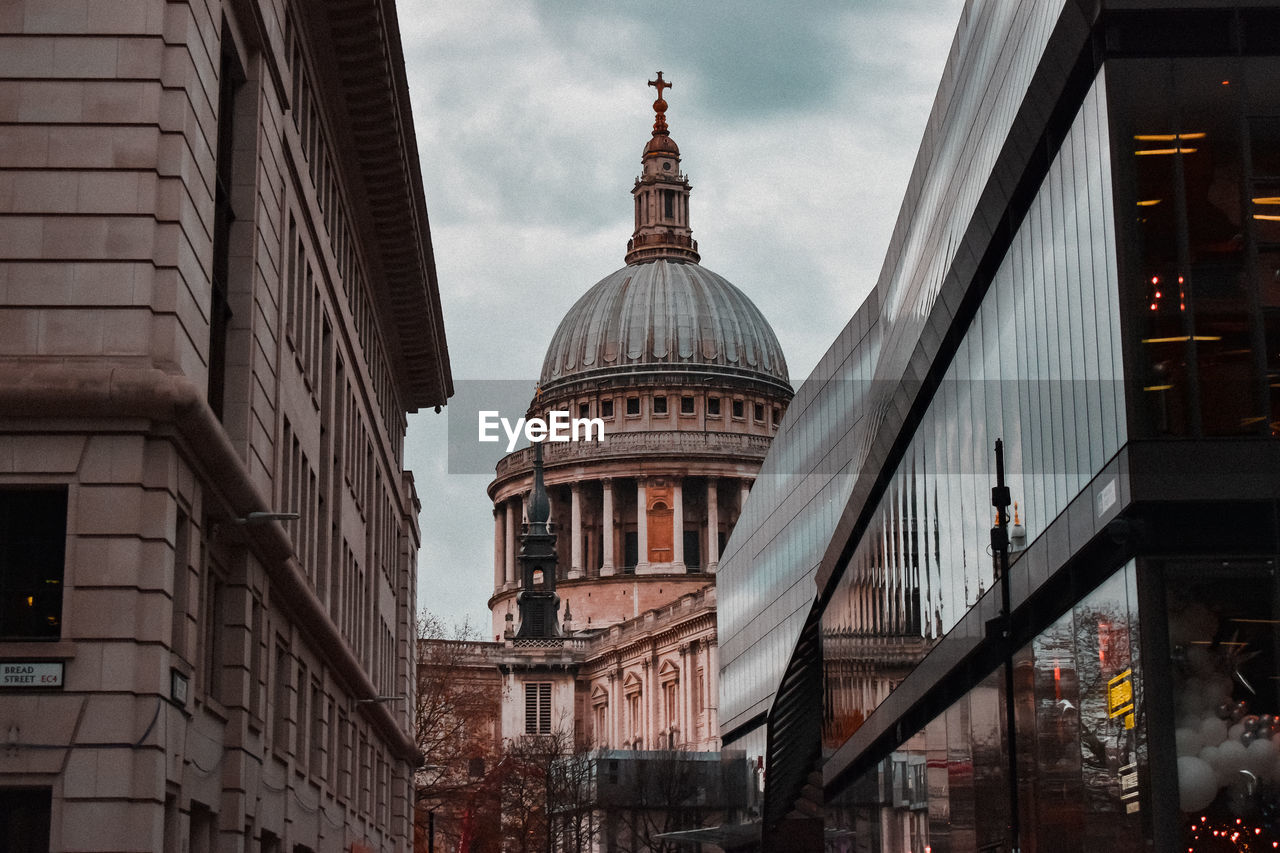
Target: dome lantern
661, 196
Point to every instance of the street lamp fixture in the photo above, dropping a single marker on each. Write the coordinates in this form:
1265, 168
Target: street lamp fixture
265, 517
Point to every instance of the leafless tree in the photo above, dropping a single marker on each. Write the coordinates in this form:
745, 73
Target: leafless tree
548, 796
457, 718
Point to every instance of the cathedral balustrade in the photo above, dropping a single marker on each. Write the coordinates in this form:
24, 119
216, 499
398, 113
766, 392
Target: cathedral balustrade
623, 444
645, 622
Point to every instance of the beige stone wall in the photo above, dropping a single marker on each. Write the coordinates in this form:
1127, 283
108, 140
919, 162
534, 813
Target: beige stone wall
110, 113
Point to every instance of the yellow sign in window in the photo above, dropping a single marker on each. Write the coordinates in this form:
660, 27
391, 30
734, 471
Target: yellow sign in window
1120, 697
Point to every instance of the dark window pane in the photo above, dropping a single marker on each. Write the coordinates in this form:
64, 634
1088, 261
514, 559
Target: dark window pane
33, 531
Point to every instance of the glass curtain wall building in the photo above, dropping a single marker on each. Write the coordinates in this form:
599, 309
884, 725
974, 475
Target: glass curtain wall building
1087, 267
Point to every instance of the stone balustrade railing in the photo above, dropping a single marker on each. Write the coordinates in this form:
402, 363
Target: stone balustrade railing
622, 444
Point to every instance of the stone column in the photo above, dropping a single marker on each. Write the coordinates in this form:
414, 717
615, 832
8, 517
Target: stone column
499, 548
744, 490
713, 526
648, 705
511, 544
615, 710
677, 525
642, 528
686, 696
713, 694
575, 530
606, 568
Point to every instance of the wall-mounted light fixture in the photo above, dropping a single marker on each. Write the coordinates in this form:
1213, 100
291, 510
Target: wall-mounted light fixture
266, 517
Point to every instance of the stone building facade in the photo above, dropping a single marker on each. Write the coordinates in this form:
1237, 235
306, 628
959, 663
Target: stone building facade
217, 305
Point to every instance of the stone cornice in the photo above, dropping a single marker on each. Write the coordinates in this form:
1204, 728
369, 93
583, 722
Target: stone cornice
368, 67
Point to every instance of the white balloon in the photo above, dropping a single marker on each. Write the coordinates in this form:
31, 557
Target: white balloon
1189, 741
1260, 758
1235, 731
1213, 730
1230, 758
1197, 783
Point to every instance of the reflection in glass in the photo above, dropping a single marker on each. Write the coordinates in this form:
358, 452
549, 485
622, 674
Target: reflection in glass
1224, 635
1083, 778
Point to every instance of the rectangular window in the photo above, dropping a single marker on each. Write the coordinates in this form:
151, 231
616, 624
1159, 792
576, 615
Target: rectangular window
633, 405
33, 536
777, 416
537, 708
181, 571
686, 405
342, 783
606, 408
659, 405
584, 410
301, 719
738, 409
713, 407
758, 411
280, 695
213, 628
318, 732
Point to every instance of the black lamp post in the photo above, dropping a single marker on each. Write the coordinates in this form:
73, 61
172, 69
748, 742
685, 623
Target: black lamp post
1000, 553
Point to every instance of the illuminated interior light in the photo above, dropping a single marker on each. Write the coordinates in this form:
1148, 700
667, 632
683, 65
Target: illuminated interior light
1267, 199
1255, 621
1157, 388
1270, 217
1168, 137
1182, 339
31, 601
1150, 202
1254, 420
1147, 151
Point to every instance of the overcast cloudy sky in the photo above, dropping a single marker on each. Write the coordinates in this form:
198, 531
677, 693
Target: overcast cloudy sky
797, 124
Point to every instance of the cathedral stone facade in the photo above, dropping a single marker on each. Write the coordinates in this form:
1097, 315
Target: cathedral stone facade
690, 384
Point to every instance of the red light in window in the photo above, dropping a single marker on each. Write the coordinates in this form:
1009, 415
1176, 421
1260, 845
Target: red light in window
1180, 279
1226, 82
1153, 306
1155, 279
1159, 294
